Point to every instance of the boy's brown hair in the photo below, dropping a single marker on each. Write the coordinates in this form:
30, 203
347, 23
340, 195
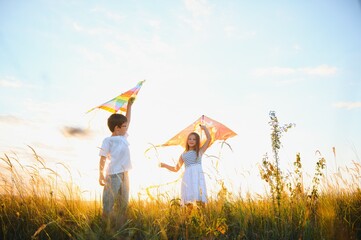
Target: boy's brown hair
116, 119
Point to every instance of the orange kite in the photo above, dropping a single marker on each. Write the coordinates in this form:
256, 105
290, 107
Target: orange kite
217, 130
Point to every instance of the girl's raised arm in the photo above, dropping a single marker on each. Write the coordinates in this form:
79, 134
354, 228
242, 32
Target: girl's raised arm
209, 138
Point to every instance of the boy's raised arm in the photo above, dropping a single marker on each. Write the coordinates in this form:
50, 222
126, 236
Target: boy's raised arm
129, 110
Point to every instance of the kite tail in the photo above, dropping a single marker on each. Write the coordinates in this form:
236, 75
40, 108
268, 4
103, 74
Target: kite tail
90, 110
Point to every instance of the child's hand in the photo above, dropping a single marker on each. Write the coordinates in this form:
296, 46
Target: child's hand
101, 180
202, 126
131, 100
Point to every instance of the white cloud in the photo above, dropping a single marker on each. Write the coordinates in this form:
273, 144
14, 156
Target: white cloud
109, 14
297, 47
273, 71
10, 119
91, 31
322, 70
135, 46
348, 105
198, 7
12, 82
139, 48
195, 24
154, 24
200, 10
89, 54
229, 30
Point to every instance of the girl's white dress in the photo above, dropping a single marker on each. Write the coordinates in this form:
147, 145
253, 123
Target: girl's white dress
193, 181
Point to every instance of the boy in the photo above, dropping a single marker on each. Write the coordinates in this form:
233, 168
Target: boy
115, 149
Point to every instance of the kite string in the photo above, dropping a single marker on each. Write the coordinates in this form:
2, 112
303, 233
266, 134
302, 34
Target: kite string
154, 147
157, 186
91, 120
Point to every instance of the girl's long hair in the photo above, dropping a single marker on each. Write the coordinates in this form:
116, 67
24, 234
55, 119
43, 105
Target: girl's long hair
198, 140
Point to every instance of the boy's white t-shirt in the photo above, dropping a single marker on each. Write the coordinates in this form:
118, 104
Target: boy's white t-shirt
116, 150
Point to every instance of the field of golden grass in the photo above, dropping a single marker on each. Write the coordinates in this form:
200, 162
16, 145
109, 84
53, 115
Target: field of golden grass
30, 209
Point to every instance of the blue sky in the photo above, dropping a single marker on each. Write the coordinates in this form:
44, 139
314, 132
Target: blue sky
233, 61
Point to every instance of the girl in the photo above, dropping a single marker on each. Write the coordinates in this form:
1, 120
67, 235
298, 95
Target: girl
193, 183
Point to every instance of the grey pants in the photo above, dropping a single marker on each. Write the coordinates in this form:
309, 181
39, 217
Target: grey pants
116, 193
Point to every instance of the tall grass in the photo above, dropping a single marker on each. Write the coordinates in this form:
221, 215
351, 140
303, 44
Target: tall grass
36, 203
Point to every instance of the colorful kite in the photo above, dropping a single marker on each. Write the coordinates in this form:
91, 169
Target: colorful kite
217, 130
120, 102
